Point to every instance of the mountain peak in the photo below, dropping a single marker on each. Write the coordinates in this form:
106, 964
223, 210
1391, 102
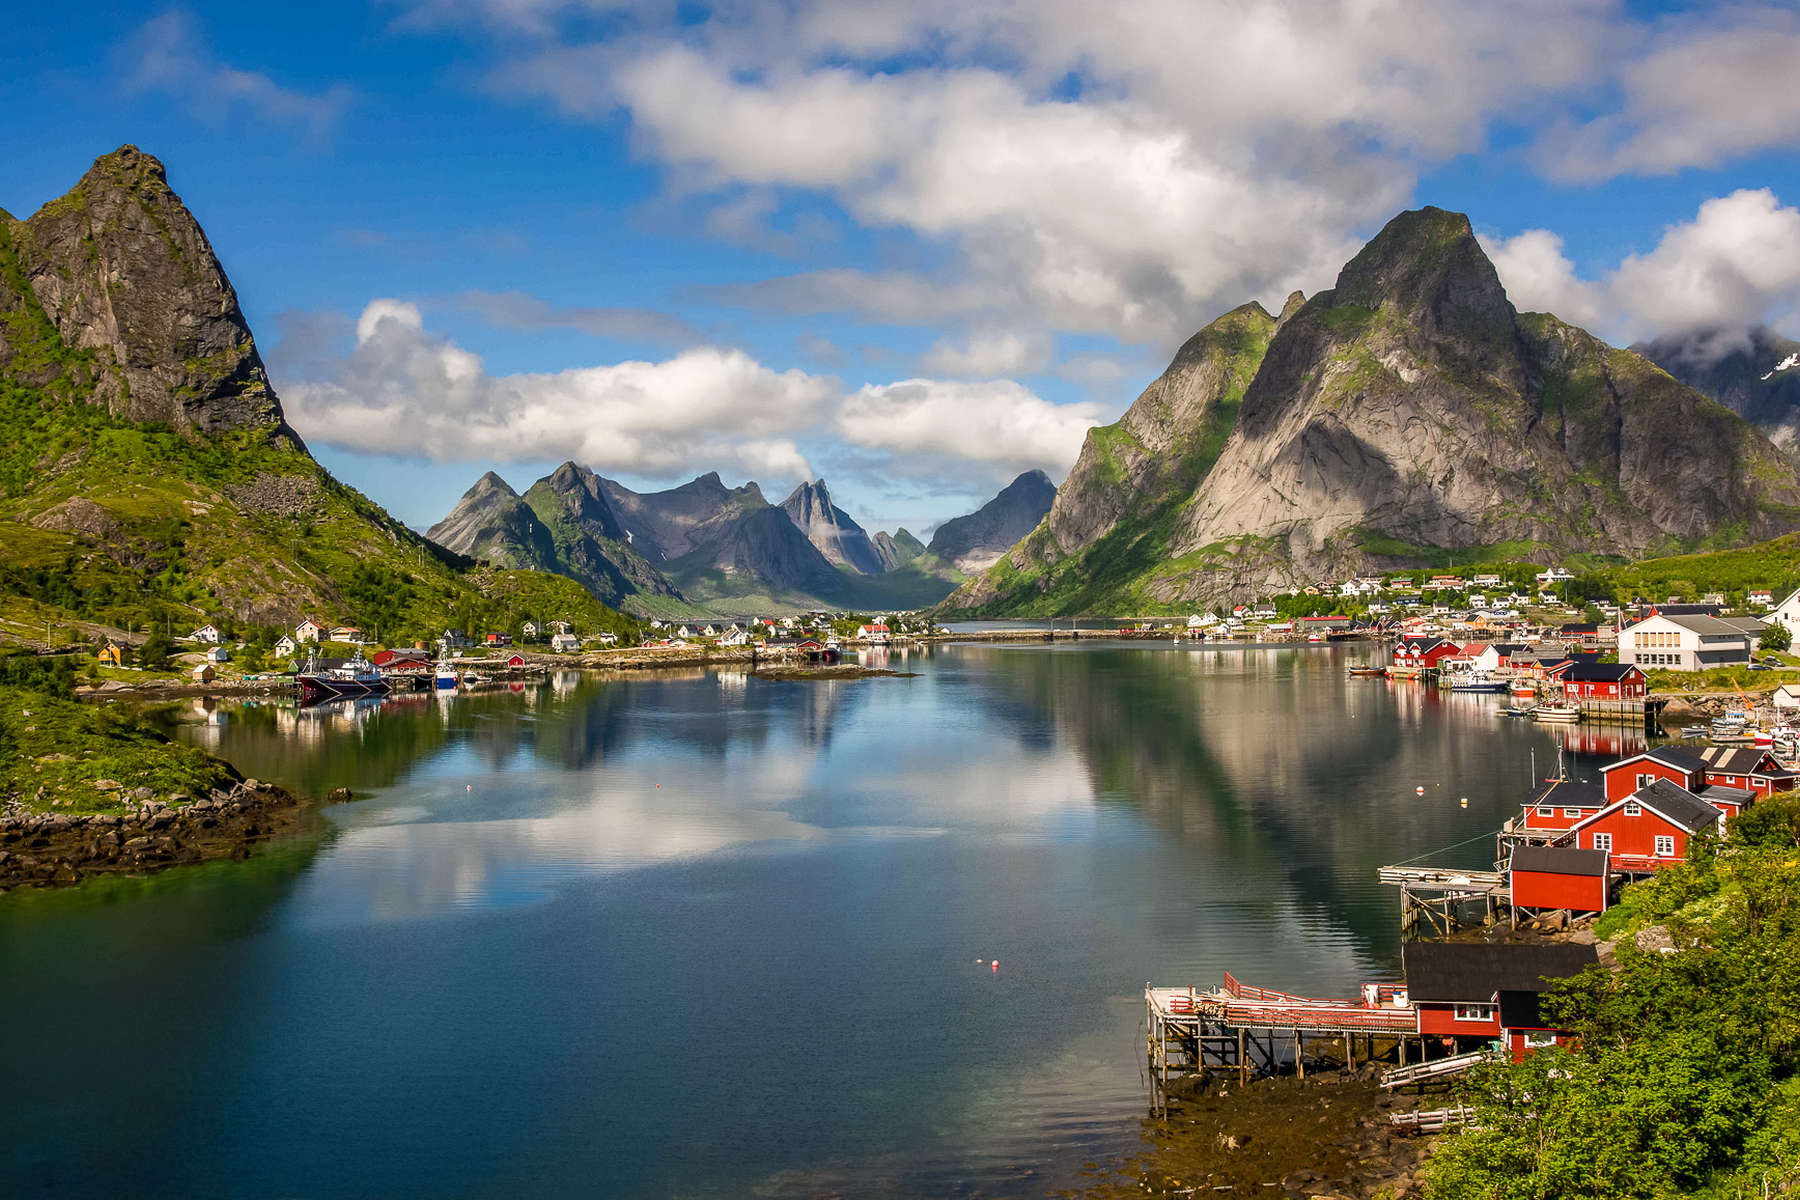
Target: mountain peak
491, 483
1427, 264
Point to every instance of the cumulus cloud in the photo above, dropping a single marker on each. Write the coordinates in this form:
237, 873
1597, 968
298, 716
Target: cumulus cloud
386, 384
1736, 264
997, 422
991, 353
168, 54
1700, 96
402, 390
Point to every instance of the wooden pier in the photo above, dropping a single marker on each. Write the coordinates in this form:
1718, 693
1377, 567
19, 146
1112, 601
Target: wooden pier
1437, 896
1244, 1031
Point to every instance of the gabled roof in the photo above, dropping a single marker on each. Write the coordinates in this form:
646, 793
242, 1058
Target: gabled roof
1670, 801
1718, 793
1669, 756
1738, 760
1585, 671
1559, 860
1474, 971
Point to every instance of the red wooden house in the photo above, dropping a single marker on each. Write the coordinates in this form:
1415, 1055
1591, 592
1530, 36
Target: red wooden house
1584, 680
1562, 805
1423, 652
1750, 768
1650, 828
1681, 767
1461, 988
1548, 878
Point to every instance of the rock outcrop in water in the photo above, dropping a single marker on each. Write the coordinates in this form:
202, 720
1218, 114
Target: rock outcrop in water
1408, 411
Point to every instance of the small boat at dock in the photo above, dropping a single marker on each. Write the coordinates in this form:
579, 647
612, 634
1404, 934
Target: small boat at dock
356, 676
1556, 713
1369, 672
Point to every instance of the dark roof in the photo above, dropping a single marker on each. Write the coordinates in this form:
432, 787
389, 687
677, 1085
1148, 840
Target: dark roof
1586, 671
1718, 793
1474, 971
1579, 627
1569, 794
1685, 610
1675, 756
1521, 1010
1510, 647
1559, 860
1738, 760
1678, 804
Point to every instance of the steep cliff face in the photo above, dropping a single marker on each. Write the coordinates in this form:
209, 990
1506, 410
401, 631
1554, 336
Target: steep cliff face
976, 542
491, 522
1753, 372
1407, 411
669, 524
839, 538
1111, 523
123, 270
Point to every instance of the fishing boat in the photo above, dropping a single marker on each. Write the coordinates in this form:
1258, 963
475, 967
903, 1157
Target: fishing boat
1693, 731
471, 677
356, 676
1478, 682
1524, 691
1556, 712
446, 676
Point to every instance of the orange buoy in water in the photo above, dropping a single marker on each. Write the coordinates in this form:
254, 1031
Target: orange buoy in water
996, 966
1420, 791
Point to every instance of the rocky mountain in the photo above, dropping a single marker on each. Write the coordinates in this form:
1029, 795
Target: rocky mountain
1405, 413
976, 542
1754, 372
491, 522
148, 474
896, 549
839, 538
699, 547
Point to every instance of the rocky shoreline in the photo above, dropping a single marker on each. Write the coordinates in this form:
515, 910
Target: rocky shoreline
40, 849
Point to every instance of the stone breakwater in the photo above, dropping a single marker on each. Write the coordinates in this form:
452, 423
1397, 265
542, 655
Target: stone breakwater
55, 849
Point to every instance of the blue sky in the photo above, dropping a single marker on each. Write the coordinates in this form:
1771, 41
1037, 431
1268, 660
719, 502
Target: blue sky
912, 249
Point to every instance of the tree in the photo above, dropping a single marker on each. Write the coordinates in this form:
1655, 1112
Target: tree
1775, 637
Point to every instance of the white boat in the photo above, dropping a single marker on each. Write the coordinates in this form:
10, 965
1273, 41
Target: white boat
1555, 712
446, 676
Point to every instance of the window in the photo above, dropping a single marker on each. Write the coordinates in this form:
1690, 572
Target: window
1474, 1012
1633, 808
1571, 812
1603, 841
1546, 812
1645, 780
1665, 847
1538, 1039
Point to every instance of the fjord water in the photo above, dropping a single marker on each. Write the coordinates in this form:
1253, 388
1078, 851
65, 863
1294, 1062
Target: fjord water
701, 935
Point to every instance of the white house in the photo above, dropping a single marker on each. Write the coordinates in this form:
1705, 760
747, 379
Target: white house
308, 631
206, 633
1787, 613
875, 635
734, 637
1687, 643
218, 654
606, 639
346, 633
1551, 576
1202, 621
285, 647
1758, 599
562, 642
529, 629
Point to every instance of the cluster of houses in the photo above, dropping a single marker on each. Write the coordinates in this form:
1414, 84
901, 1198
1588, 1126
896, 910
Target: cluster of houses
777, 631
1573, 840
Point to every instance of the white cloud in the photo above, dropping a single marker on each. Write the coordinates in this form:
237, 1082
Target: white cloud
1700, 96
404, 391
400, 389
987, 354
1736, 264
168, 54
997, 422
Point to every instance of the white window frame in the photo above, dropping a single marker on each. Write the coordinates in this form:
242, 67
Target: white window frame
1633, 809
1473, 1012
1665, 845
1546, 812
1538, 1039
1645, 780
1571, 812
1603, 841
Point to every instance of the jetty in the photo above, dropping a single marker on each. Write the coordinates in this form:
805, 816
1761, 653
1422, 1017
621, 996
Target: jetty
1435, 896
1240, 1029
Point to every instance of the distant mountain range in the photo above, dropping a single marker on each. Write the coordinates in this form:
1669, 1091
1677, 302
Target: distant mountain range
705, 547
1754, 372
1404, 416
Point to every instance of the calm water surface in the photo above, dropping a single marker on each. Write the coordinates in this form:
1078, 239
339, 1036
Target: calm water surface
699, 935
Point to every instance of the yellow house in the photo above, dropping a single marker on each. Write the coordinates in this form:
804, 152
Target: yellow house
111, 655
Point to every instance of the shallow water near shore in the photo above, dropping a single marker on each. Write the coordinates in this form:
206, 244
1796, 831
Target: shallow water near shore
703, 935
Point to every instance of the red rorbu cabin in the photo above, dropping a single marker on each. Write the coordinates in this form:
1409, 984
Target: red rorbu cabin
1423, 652
1683, 768
1460, 989
1604, 681
1562, 804
1547, 878
1650, 828
1754, 770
